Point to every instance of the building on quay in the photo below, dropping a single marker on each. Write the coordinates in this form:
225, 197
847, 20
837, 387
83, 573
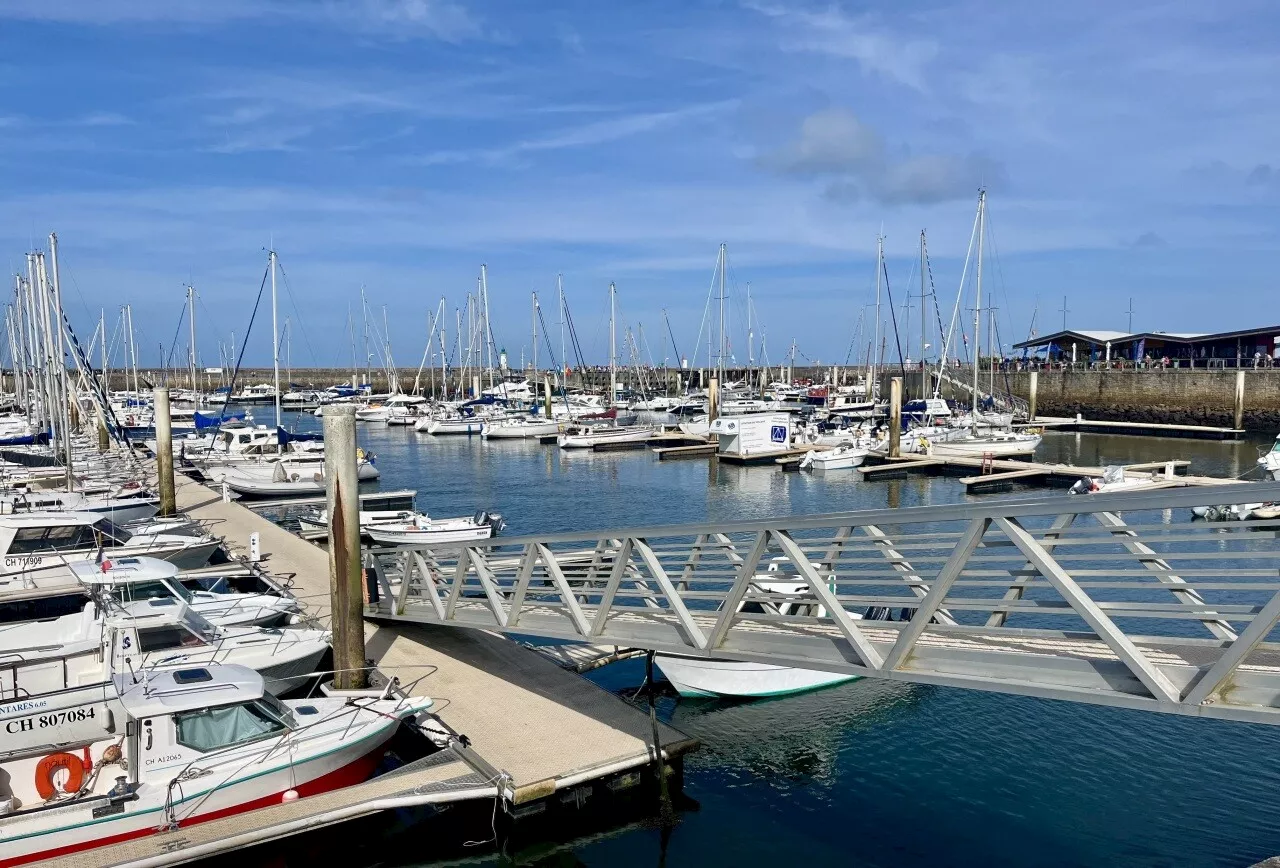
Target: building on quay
1244, 348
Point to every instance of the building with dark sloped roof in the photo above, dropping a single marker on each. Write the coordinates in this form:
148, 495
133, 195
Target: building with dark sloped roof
1244, 348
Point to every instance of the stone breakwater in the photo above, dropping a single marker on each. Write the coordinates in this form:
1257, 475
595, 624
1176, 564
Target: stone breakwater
1178, 397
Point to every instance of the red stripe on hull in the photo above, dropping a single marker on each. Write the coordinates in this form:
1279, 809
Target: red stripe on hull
352, 773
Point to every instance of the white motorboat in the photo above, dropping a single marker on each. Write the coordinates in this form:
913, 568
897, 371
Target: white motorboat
286, 477
1270, 462
262, 393
122, 504
414, 528
843, 457
38, 548
421, 530
86, 647
701, 677
1114, 478
155, 584
519, 428
129, 758
450, 425
589, 436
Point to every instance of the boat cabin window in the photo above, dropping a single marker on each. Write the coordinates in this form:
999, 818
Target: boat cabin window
48, 539
165, 638
752, 608
211, 729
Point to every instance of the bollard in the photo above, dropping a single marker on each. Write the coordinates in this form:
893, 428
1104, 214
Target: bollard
713, 399
1238, 416
255, 547
164, 453
1033, 386
342, 500
895, 417
226, 492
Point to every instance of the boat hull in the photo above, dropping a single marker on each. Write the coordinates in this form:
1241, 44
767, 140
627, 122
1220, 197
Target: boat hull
694, 677
351, 764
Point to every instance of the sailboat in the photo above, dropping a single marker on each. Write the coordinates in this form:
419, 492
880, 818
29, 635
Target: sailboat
983, 438
590, 436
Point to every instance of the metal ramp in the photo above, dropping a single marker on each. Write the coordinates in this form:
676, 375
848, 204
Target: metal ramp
1115, 599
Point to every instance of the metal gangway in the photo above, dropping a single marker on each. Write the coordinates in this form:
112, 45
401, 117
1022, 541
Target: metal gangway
1005, 401
1117, 599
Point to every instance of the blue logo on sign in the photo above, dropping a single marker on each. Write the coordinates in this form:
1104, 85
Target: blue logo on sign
778, 434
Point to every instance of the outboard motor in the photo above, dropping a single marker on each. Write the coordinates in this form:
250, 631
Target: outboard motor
1081, 486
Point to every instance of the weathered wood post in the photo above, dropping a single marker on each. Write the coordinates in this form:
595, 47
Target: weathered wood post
1033, 386
164, 452
342, 500
895, 417
713, 399
1238, 416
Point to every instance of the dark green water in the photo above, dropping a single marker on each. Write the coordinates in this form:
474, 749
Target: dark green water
873, 773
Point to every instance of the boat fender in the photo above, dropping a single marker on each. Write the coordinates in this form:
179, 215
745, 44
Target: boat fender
49, 766
359, 454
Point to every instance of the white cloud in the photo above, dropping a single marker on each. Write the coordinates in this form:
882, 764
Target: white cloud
835, 144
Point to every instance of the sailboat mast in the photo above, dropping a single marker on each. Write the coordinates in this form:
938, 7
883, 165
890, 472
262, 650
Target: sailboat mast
62, 362
191, 315
977, 307
924, 386
535, 339
488, 329
751, 337
613, 368
720, 360
872, 358
133, 348
275, 335
564, 362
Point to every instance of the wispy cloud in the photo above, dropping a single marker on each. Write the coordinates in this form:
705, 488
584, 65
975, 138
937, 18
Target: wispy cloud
583, 135
402, 19
875, 48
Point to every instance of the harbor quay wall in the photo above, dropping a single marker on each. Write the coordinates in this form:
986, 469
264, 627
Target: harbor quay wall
1174, 396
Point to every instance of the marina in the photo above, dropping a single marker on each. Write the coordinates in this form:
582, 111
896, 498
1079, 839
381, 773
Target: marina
436, 433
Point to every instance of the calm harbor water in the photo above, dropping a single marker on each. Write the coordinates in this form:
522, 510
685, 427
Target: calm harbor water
873, 773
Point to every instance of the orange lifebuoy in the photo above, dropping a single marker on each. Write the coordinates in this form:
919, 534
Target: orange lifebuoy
48, 767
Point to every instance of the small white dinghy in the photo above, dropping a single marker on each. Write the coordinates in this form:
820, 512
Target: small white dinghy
700, 677
128, 758
844, 457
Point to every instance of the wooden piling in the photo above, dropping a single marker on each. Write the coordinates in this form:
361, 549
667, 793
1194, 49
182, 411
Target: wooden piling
1238, 415
713, 399
1033, 385
342, 500
164, 452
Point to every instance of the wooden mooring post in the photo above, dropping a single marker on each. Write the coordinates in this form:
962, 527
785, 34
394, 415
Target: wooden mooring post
342, 500
164, 452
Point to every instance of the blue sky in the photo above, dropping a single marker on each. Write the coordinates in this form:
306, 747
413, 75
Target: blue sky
1129, 150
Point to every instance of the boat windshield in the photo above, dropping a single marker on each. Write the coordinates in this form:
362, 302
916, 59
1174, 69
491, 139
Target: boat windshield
110, 532
211, 729
198, 625
1276, 446
152, 591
